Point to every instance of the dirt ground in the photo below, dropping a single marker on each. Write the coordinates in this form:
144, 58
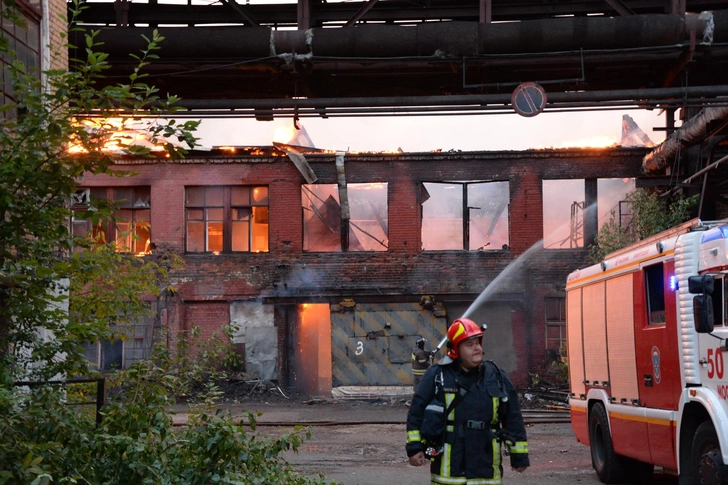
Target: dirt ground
374, 455
359, 442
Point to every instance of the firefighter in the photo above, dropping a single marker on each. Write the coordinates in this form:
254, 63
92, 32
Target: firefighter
420, 361
464, 414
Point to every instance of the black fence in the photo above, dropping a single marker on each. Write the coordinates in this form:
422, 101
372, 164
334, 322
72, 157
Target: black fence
100, 391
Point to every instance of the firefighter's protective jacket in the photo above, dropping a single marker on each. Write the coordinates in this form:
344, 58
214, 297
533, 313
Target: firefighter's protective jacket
420, 361
488, 413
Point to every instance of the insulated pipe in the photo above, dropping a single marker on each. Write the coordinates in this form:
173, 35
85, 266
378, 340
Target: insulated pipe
691, 133
629, 95
439, 39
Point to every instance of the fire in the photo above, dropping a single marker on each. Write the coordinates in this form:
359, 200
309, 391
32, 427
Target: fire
284, 133
120, 136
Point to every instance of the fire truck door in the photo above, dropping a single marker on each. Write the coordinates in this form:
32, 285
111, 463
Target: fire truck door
658, 366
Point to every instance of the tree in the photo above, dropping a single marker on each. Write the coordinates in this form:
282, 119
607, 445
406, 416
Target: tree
650, 215
59, 290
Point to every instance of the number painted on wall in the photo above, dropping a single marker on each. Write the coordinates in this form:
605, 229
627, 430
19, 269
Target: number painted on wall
715, 363
359, 347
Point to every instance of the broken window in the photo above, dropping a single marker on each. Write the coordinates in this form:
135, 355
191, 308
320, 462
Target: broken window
611, 200
555, 313
563, 213
133, 343
485, 225
226, 219
368, 225
131, 225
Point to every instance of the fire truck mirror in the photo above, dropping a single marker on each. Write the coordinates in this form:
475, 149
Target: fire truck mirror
700, 284
703, 313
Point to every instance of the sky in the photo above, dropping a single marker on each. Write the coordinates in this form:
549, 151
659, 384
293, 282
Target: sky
428, 133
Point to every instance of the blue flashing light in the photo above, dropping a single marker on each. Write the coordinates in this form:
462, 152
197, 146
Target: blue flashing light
715, 233
674, 285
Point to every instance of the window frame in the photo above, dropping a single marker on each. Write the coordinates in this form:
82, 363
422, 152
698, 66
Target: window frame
347, 229
558, 323
33, 15
576, 221
466, 218
228, 222
656, 296
98, 349
81, 202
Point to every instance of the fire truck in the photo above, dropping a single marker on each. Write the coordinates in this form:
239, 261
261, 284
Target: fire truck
648, 363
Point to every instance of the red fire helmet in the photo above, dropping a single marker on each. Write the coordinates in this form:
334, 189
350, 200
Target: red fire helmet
460, 330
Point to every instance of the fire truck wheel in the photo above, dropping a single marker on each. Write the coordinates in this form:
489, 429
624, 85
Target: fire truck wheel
706, 458
608, 465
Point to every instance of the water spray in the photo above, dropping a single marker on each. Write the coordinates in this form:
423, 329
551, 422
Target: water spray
489, 290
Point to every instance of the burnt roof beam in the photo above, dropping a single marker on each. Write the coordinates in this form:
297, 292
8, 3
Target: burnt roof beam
240, 10
620, 7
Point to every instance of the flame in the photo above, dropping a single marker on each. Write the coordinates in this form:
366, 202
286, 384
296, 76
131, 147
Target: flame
594, 142
284, 133
120, 136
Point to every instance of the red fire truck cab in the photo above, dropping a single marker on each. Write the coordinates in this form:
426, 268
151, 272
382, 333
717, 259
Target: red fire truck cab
648, 363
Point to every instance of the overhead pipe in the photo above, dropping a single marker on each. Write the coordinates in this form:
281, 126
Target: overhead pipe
555, 98
428, 39
693, 132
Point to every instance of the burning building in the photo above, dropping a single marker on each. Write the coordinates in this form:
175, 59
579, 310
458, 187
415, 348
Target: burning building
330, 269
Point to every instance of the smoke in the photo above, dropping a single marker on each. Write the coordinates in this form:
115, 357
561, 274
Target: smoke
510, 270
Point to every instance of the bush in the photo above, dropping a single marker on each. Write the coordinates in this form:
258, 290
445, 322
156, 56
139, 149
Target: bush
650, 215
46, 440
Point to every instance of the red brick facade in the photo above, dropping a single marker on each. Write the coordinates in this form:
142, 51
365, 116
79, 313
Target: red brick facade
286, 276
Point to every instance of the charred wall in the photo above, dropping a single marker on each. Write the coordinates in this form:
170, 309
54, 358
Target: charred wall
286, 276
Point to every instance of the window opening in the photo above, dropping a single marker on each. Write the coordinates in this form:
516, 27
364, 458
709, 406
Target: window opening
719, 301
563, 213
131, 227
465, 215
655, 287
610, 202
227, 219
555, 316
368, 226
23, 45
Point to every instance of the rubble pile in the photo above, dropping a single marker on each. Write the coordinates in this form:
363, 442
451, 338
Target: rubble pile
542, 397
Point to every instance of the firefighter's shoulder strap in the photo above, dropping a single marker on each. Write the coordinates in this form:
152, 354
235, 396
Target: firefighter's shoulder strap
434, 421
501, 387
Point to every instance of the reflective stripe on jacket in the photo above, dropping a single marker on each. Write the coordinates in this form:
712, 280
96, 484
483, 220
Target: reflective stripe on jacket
420, 361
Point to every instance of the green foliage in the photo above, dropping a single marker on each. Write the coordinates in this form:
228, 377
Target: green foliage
53, 299
61, 131
47, 441
650, 215
197, 362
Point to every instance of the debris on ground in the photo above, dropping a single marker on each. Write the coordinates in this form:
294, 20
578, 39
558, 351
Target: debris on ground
556, 397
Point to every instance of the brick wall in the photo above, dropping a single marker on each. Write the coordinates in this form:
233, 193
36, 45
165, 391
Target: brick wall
209, 316
287, 276
57, 29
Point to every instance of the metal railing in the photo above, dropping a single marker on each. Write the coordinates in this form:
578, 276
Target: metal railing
100, 391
